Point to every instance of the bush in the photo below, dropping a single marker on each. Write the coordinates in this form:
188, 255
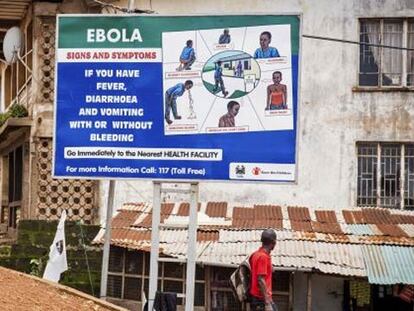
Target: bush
3, 118
18, 111
15, 111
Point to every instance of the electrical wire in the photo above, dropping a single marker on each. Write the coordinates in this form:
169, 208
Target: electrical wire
357, 42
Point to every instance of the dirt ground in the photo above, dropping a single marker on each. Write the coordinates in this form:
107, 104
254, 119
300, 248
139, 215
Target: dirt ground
21, 292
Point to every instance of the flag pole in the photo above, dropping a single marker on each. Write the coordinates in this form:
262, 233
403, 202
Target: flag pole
107, 243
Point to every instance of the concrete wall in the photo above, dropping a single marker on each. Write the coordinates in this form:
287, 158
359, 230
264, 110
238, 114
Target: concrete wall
327, 292
332, 117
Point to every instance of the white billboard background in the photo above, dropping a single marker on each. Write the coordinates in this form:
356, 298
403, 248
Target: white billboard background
208, 107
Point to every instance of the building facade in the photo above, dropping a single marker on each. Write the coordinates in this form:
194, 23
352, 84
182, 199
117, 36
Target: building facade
28, 190
355, 115
355, 141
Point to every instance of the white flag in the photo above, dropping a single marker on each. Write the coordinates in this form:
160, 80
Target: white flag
144, 300
57, 262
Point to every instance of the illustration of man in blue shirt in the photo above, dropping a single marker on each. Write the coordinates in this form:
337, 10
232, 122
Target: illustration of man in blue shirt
218, 79
187, 56
171, 99
266, 51
225, 37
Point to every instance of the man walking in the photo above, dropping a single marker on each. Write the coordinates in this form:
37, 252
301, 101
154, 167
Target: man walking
171, 99
261, 274
218, 79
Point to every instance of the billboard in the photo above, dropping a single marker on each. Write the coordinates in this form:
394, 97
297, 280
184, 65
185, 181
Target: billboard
176, 97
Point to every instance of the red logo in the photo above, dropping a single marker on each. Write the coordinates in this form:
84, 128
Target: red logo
256, 171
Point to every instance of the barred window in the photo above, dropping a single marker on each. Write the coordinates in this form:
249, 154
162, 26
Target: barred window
128, 277
386, 175
222, 298
384, 66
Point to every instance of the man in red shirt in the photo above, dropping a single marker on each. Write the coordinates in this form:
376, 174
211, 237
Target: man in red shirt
261, 274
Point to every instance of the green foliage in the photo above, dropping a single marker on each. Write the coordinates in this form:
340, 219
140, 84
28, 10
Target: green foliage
3, 118
31, 252
15, 111
18, 111
36, 266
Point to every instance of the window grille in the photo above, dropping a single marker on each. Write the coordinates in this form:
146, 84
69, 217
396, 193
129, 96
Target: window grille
367, 175
409, 177
389, 184
129, 272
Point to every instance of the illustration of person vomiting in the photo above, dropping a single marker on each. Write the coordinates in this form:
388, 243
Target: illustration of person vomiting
218, 79
187, 56
227, 120
266, 51
171, 99
276, 93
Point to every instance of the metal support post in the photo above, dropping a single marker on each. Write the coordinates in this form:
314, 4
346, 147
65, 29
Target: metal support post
155, 244
131, 5
107, 243
192, 249
309, 293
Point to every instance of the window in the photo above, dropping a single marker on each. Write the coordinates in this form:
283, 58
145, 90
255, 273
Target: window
128, 276
222, 298
382, 66
386, 175
15, 183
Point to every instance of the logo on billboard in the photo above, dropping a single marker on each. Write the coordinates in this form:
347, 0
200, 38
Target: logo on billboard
256, 171
240, 170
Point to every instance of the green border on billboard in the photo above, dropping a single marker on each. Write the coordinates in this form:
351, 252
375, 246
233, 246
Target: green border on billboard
72, 28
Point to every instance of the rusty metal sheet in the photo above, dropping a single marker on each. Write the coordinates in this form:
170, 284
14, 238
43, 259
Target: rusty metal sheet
216, 209
298, 213
268, 212
301, 225
326, 217
124, 218
376, 216
391, 230
184, 209
326, 227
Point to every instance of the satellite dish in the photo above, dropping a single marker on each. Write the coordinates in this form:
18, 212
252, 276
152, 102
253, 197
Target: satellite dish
13, 44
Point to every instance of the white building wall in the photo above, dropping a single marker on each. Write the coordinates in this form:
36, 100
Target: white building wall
332, 117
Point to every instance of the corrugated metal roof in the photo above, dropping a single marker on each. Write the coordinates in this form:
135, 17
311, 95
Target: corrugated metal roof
391, 230
326, 240
216, 209
361, 230
125, 219
408, 229
299, 213
376, 216
389, 264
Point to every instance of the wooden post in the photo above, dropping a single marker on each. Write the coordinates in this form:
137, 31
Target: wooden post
309, 294
291, 290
